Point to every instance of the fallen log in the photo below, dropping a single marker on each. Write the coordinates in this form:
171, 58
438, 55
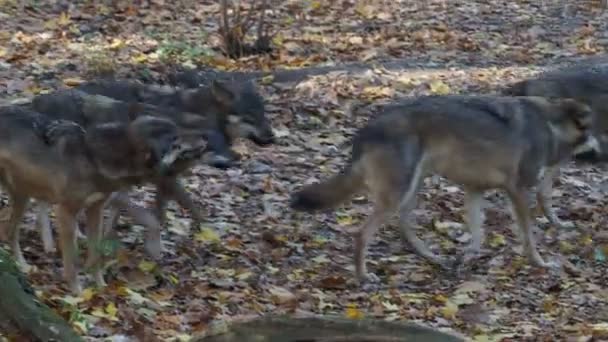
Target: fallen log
326, 329
22, 314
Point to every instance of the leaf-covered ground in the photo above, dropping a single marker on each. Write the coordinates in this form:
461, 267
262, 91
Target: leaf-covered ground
254, 255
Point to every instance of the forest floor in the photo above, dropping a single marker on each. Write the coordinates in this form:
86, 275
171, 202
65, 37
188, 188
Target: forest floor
255, 256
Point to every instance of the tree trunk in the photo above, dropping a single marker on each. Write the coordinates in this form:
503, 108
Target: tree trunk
22, 313
327, 329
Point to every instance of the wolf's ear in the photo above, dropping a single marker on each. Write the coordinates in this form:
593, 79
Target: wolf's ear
580, 113
222, 93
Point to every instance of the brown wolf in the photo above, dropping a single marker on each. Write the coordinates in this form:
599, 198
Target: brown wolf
89, 110
481, 142
78, 170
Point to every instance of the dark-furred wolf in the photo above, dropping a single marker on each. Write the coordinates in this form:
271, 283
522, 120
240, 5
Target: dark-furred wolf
479, 142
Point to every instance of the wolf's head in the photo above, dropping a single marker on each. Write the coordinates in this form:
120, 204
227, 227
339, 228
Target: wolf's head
161, 147
245, 111
571, 122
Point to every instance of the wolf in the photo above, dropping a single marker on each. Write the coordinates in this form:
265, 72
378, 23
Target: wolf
241, 103
89, 110
587, 84
79, 169
481, 142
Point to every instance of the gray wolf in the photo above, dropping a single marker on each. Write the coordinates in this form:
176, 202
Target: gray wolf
88, 110
237, 108
480, 142
588, 85
78, 169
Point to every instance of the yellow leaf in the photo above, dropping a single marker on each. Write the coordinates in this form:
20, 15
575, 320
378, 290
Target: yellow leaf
449, 310
80, 327
315, 5
173, 279
207, 235
267, 79
116, 44
600, 327
497, 240
586, 240
50, 24
34, 89
440, 298
73, 81
566, 247
147, 266
364, 10
3, 52
345, 220
378, 91
353, 313
98, 312
111, 310
278, 40
140, 58
87, 294
64, 19
439, 88
108, 313
183, 338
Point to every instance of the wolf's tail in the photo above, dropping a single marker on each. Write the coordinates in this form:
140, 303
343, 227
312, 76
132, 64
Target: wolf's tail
330, 193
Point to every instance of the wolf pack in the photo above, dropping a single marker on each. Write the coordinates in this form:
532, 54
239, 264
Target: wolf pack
79, 152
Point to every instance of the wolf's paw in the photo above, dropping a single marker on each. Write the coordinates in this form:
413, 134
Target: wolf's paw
76, 288
564, 224
371, 278
551, 265
367, 282
153, 248
99, 281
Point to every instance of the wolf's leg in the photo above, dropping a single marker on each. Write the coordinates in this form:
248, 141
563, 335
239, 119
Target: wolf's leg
67, 225
163, 194
18, 206
142, 216
43, 222
408, 202
181, 196
364, 235
543, 197
94, 232
523, 219
113, 213
474, 219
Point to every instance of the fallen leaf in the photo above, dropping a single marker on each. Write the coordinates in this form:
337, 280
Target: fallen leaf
147, 266
438, 87
497, 240
73, 81
450, 310
207, 235
281, 295
353, 313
